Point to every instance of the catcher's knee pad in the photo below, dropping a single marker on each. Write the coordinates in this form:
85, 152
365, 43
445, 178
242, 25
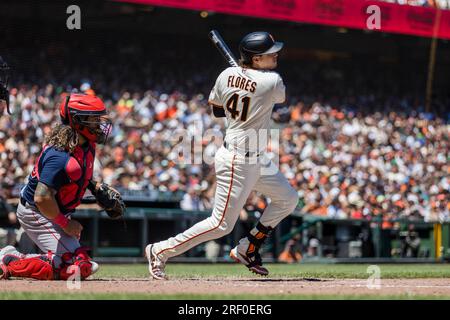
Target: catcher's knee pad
81, 269
39, 268
76, 264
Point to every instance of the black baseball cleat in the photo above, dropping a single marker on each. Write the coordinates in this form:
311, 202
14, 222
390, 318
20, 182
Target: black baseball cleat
254, 266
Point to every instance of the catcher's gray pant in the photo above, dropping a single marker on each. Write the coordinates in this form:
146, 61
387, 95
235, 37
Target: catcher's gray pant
236, 177
44, 233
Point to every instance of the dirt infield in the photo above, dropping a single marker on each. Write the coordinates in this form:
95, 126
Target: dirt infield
269, 286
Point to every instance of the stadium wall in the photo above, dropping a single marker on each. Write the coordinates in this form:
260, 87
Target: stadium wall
340, 240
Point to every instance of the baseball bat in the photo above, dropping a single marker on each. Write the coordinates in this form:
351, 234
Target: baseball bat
223, 48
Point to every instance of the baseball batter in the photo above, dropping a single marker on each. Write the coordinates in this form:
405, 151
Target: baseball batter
245, 95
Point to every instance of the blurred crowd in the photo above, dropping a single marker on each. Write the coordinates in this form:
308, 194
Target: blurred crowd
443, 4
353, 145
344, 164
140, 152
350, 165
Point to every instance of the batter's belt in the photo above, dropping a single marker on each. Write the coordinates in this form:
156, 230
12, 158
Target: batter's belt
248, 154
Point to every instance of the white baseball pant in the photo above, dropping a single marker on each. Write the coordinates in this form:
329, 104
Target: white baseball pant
236, 178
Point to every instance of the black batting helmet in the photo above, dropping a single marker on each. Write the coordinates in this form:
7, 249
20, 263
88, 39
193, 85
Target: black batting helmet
257, 43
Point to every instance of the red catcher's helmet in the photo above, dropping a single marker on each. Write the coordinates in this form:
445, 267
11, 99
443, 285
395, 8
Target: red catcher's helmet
87, 115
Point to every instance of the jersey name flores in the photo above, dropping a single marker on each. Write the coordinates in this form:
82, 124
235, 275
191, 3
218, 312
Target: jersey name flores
248, 97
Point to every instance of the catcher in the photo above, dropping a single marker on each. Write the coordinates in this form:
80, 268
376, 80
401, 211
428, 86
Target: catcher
60, 177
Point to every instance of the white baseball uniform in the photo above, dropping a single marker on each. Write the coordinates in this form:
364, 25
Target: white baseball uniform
248, 97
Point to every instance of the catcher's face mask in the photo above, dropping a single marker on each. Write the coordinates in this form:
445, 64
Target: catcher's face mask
95, 128
4, 78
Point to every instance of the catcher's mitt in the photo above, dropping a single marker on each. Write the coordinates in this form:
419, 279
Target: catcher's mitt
109, 199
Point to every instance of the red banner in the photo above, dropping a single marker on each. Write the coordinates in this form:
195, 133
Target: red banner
358, 14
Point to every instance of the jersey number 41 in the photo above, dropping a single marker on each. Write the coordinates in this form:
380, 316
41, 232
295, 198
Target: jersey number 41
232, 106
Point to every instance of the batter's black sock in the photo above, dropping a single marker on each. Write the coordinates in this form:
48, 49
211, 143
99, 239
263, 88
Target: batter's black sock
259, 233
256, 237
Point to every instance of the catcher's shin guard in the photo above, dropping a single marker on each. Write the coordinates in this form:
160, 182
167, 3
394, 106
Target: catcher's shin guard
39, 268
73, 263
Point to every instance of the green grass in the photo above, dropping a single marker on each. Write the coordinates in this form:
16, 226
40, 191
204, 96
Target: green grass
221, 271
333, 271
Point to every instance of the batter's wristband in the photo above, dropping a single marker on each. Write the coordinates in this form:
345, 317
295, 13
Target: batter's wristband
61, 220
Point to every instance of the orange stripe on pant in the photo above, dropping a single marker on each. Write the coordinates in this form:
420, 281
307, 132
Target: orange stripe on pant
223, 214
